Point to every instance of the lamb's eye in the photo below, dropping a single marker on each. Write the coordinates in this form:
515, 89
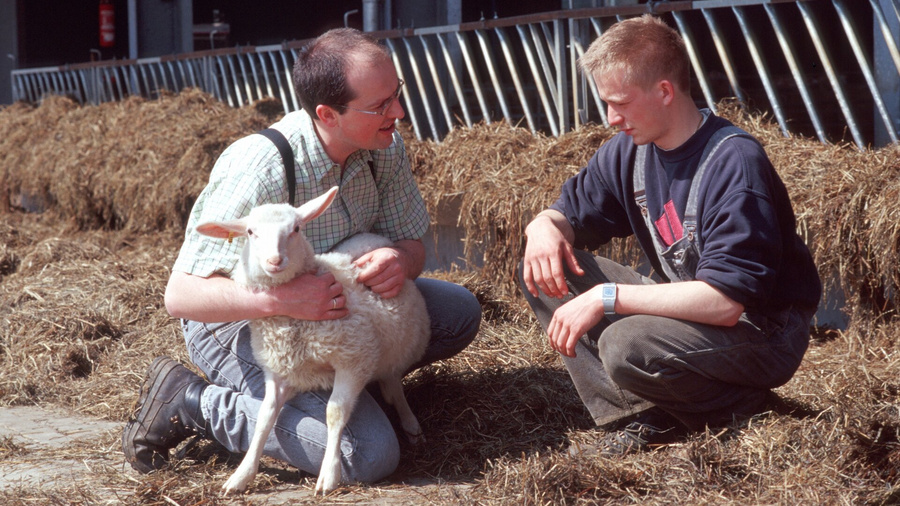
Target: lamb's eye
249, 233
297, 229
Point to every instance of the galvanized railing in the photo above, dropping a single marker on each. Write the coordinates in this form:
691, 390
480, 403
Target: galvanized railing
238, 76
805, 62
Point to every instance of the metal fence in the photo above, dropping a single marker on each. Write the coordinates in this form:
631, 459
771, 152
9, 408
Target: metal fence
823, 68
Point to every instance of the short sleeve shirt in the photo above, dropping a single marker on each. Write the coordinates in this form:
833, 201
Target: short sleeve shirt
378, 194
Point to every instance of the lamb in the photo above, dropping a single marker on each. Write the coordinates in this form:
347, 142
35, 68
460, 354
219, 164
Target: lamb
379, 340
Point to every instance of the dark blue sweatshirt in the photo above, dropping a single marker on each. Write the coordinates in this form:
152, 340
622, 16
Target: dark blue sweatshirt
750, 249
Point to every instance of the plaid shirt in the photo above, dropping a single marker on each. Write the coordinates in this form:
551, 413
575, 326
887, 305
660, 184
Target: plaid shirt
250, 173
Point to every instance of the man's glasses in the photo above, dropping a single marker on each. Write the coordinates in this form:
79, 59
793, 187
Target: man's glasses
382, 110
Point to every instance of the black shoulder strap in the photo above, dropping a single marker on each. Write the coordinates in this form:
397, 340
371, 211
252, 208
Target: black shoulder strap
287, 158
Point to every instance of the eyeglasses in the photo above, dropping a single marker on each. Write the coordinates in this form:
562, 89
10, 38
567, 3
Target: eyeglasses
382, 110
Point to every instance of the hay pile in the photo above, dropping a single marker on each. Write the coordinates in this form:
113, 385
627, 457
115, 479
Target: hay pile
81, 290
136, 165
500, 177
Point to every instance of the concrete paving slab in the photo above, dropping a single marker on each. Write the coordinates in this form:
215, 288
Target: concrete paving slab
34, 429
33, 463
32, 425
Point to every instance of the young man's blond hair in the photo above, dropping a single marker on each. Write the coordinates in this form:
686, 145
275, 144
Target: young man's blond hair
645, 48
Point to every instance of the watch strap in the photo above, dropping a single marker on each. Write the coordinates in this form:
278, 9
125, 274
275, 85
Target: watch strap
608, 296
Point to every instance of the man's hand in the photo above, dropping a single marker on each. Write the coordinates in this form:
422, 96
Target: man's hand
547, 250
573, 319
310, 296
382, 270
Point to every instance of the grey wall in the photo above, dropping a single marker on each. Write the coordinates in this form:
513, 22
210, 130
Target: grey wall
164, 27
9, 48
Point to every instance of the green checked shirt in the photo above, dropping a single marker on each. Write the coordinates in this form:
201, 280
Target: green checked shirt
250, 173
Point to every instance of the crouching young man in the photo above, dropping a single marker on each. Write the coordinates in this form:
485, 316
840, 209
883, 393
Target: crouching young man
652, 361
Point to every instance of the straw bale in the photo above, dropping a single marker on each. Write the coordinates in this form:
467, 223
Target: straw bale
846, 200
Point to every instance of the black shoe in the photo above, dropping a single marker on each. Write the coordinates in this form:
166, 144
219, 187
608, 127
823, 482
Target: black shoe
652, 428
167, 413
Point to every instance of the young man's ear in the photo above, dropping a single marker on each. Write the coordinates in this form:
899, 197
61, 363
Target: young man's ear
666, 91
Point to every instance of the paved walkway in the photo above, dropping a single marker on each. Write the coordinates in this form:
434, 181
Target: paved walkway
42, 433
35, 429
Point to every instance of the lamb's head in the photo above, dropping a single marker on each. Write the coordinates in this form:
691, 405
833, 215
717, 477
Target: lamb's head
275, 249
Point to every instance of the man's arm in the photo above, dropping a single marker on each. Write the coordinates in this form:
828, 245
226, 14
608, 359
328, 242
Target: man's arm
219, 299
550, 239
694, 301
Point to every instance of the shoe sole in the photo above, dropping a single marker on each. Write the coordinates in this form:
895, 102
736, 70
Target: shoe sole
161, 367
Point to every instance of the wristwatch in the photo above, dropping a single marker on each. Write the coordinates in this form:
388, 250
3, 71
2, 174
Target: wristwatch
608, 296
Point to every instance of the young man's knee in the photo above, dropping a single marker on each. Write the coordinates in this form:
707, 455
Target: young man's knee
621, 350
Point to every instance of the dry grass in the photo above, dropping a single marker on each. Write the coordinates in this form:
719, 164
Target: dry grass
81, 305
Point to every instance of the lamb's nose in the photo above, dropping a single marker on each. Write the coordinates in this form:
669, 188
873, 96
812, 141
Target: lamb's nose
275, 261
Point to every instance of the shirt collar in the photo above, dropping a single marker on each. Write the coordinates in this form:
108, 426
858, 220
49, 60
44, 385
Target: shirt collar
317, 160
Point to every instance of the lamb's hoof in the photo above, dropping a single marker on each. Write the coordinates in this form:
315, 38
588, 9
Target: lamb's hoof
233, 486
415, 439
325, 486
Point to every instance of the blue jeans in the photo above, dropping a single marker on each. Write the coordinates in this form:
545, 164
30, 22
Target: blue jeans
701, 374
369, 448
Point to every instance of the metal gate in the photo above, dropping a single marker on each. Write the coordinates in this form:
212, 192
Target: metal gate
823, 68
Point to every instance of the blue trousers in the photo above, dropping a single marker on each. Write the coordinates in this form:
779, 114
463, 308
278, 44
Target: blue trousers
369, 448
701, 374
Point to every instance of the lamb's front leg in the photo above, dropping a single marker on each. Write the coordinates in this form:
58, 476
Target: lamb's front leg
277, 393
344, 395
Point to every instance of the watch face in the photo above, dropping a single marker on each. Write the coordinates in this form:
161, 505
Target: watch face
609, 291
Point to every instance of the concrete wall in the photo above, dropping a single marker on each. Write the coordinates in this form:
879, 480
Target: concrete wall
445, 242
164, 27
9, 48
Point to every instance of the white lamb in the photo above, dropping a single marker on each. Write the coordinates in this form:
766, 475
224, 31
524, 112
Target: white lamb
379, 340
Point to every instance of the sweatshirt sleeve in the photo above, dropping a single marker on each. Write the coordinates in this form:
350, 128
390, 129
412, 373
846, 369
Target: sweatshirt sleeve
590, 200
742, 240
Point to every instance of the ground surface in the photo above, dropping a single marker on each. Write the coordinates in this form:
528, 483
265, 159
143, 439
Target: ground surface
36, 430
81, 306
40, 438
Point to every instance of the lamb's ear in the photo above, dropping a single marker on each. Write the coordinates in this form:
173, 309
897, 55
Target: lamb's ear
223, 229
317, 206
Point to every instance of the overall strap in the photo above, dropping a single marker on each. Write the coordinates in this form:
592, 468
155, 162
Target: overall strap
640, 197
287, 158
715, 142
642, 165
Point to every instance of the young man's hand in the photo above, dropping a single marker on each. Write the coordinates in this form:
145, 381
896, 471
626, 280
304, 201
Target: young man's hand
573, 319
548, 249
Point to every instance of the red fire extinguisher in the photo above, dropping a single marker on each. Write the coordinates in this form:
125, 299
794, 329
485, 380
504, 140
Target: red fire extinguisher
107, 24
